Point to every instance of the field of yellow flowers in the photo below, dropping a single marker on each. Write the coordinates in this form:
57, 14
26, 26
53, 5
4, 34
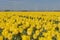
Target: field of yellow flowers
29, 25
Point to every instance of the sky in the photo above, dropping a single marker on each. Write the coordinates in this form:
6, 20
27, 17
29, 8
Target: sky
29, 4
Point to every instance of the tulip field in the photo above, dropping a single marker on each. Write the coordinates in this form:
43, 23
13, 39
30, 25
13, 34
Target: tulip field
29, 25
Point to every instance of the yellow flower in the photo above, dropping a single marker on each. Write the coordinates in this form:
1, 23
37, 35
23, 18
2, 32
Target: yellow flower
20, 29
48, 38
36, 22
42, 38
48, 26
54, 17
26, 24
59, 18
58, 36
47, 34
11, 21
35, 36
15, 31
5, 33
25, 37
59, 26
9, 36
38, 26
8, 25
29, 31
32, 23
2, 25
37, 32
23, 26
1, 37
53, 33
54, 25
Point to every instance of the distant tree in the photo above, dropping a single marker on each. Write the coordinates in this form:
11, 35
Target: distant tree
24, 10
7, 10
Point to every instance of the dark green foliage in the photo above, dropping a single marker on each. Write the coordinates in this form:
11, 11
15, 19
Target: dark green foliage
25, 32
34, 29
17, 37
56, 21
57, 28
41, 34
1, 31
5, 38
54, 38
44, 30
19, 25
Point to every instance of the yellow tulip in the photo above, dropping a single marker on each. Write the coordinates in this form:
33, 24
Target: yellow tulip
37, 32
35, 36
1, 37
58, 36
29, 31
25, 37
42, 38
15, 31
9, 36
20, 29
5, 33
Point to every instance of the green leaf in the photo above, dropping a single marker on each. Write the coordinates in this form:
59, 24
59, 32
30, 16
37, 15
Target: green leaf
41, 34
5, 38
1, 31
56, 21
24, 32
17, 37
31, 37
57, 28
44, 30
34, 29
19, 25
54, 38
